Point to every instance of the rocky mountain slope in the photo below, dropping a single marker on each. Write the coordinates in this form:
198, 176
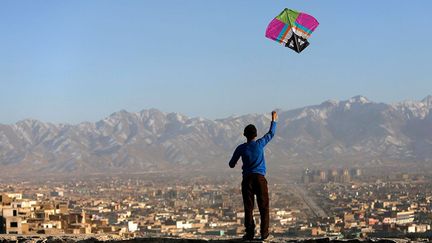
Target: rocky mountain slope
351, 131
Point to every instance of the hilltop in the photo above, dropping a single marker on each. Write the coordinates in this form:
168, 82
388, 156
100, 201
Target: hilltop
106, 239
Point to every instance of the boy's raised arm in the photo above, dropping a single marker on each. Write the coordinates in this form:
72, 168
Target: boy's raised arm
270, 134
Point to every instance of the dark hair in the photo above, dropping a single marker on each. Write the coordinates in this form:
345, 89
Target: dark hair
250, 132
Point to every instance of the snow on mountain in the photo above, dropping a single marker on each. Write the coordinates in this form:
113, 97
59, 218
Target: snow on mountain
354, 130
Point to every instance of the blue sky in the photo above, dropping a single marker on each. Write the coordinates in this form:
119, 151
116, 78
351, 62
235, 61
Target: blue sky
72, 61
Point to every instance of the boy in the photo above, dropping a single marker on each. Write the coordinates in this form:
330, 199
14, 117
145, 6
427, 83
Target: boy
254, 182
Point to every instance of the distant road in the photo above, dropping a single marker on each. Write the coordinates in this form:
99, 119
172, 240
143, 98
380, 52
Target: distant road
302, 193
316, 210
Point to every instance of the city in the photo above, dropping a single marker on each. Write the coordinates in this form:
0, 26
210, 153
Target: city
342, 203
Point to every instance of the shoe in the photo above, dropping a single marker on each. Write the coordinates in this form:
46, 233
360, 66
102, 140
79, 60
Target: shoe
267, 238
248, 236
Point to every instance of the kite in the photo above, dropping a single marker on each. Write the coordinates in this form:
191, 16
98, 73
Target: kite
292, 29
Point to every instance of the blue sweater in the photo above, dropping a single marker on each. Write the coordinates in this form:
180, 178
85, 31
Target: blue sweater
252, 154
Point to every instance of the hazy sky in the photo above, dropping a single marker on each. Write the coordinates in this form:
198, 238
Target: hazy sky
72, 61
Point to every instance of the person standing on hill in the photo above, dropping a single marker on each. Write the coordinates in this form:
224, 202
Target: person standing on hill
254, 181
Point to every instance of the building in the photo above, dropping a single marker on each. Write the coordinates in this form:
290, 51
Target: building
11, 220
405, 217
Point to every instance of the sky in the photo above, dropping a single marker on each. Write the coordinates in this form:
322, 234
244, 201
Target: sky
72, 61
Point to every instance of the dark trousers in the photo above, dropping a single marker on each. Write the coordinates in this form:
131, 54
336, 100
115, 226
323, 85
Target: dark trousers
255, 184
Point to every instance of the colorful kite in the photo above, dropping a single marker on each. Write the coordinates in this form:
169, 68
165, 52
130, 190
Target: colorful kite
292, 29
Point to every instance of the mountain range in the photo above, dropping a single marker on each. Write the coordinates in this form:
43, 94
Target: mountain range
353, 131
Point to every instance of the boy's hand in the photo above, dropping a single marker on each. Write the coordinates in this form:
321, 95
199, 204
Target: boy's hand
274, 116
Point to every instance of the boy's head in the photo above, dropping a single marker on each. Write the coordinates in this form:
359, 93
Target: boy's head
250, 132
